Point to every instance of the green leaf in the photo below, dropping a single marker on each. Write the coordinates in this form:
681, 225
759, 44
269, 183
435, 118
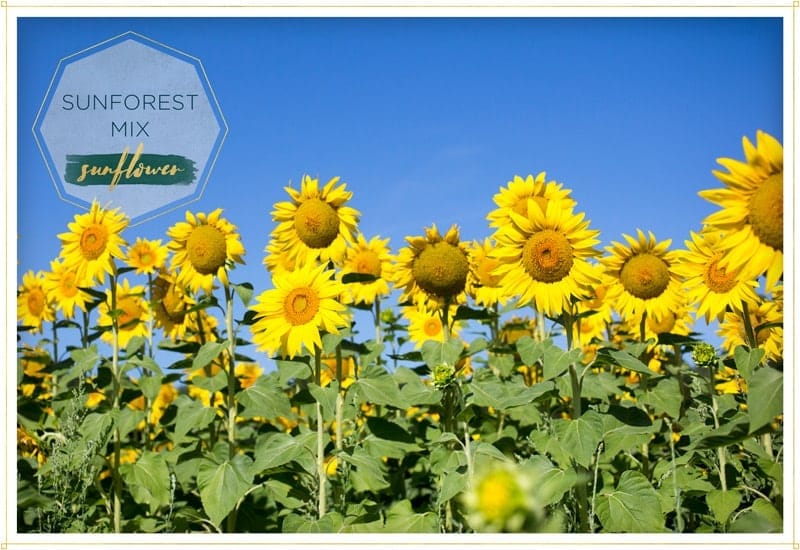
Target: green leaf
292, 370
191, 415
245, 292
579, 437
213, 384
331, 522
325, 396
329, 343
128, 420
747, 360
735, 430
628, 361
723, 504
400, 518
454, 482
530, 351
503, 396
556, 361
84, 360
275, 449
207, 353
764, 397
369, 471
552, 482
222, 485
502, 363
762, 517
151, 386
665, 397
265, 400
148, 480
633, 507
380, 389
435, 353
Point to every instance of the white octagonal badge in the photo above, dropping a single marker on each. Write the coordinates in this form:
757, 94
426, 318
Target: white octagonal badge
131, 123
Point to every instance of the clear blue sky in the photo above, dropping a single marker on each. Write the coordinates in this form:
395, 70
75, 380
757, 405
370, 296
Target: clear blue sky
426, 118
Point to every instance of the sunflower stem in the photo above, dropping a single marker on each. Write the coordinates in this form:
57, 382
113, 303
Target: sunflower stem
750, 334
150, 320
721, 458
231, 397
378, 331
321, 476
115, 473
54, 382
675, 488
339, 400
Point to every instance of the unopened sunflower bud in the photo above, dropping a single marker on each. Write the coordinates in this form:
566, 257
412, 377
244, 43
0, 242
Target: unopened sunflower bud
704, 355
443, 374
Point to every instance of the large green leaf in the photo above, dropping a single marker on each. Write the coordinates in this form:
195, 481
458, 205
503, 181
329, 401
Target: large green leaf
628, 361
380, 389
207, 353
747, 360
633, 507
264, 399
191, 415
723, 504
665, 397
148, 480
400, 518
579, 437
435, 353
530, 351
222, 485
556, 361
553, 482
764, 397
502, 395
275, 449
332, 522
369, 471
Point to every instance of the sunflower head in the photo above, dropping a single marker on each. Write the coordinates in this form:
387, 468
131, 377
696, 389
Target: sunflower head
64, 288
204, 246
316, 224
373, 259
146, 256
131, 313
33, 306
93, 241
433, 266
519, 192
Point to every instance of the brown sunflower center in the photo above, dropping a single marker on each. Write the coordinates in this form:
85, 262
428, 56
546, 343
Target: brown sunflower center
432, 327
145, 257
36, 302
316, 223
367, 262
547, 256
441, 269
301, 305
663, 325
130, 310
485, 272
521, 206
93, 241
67, 284
207, 249
766, 212
717, 278
645, 276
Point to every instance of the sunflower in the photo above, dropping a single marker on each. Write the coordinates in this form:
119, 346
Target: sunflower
169, 303
64, 288
644, 276
752, 208
146, 256
482, 284
709, 285
33, 307
733, 331
204, 246
373, 258
315, 223
328, 373
426, 324
276, 259
515, 197
544, 257
133, 313
167, 393
291, 315
433, 268
93, 241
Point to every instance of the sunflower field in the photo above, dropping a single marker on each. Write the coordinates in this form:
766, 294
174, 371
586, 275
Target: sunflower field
534, 381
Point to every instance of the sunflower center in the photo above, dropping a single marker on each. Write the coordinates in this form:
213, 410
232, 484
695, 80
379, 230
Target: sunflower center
206, 249
131, 311
547, 256
766, 212
441, 269
485, 273
717, 278
145, 258
521, 206
432, 327
93, 241
663, 325
36, 301
301, 305
316, 223
368, 263
645, 276
68, 286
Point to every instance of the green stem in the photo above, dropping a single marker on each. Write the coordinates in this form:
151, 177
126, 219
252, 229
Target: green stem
339, 400
231, 396
54, 378
714, 408
378, 330
150, 318
675, 487
115, 473
321, 477
750, 334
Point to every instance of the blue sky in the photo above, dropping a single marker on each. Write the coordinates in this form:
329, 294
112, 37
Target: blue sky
425, 118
